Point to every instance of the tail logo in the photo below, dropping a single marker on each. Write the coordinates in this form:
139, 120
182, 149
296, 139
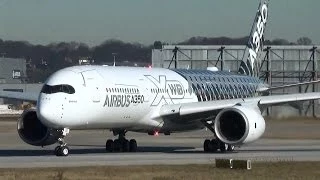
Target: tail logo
251, 66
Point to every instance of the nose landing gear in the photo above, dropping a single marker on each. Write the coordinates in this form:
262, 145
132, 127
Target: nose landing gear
62, 149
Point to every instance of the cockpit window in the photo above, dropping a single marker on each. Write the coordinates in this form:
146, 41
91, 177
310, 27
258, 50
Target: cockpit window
64, 88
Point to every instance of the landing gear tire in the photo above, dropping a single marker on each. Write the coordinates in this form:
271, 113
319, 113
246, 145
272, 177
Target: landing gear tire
207, 145
56, 150
122, 145
214, 145
109, 145
117, 145
61, 151
133, 145
125, 146
64, 150
230, 148
223, 147
210, 145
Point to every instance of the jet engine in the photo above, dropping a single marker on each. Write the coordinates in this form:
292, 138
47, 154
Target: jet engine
239, 124
33, 132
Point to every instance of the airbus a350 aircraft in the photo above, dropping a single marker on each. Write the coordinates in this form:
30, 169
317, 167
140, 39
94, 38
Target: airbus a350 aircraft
153, 100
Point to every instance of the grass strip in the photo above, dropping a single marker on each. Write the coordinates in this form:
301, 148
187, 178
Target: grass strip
260, 170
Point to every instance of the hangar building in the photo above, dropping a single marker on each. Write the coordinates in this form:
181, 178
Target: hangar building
13, 77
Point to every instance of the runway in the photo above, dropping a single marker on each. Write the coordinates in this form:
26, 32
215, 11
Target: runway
87, 149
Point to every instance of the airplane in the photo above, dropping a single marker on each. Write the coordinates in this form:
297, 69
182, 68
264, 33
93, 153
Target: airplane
154, 100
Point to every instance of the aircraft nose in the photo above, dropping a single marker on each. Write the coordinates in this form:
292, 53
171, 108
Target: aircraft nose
48, 115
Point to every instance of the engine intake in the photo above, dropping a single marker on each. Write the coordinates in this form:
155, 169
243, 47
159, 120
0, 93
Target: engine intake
239, 124
33, 132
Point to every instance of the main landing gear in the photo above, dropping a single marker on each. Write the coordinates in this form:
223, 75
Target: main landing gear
121, 144
62, 149
215, 144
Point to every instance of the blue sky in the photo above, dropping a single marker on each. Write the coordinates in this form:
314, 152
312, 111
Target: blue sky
144, 21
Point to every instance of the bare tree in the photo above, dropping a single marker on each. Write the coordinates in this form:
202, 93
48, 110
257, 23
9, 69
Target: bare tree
304, 41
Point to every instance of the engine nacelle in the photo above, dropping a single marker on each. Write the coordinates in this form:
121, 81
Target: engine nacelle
239, 124
33, 132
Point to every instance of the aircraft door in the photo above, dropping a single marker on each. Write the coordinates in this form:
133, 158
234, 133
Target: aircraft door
91, 80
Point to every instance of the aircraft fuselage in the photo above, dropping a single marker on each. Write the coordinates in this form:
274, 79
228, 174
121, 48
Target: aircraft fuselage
131, 98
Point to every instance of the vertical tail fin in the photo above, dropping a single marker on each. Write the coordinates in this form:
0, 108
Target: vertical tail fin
251, 65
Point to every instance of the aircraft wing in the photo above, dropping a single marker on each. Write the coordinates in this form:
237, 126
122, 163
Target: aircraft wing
201, 109
20, 95
267, 89
282, 99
